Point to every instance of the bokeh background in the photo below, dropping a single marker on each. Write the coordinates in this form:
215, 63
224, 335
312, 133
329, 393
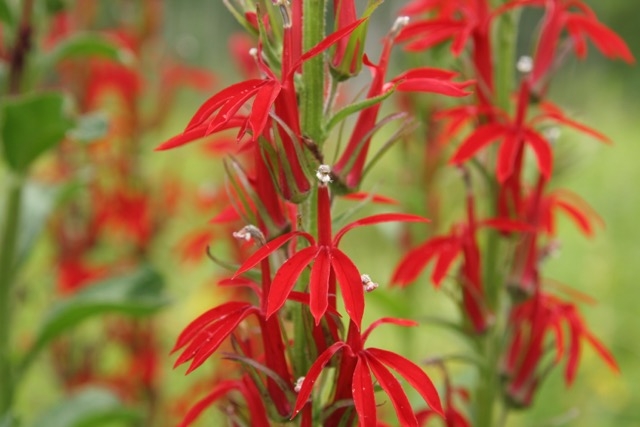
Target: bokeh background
603, 94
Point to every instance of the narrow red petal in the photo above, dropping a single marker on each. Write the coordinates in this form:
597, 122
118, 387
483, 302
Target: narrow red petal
350, 285
319, 285
392, 387
312, 375
542, 150
270, 247
481, 137
413, 374
384, 321
377, 219
219, 390
363, 394
286, 277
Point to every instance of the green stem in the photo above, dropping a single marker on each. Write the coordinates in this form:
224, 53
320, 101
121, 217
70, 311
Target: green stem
313, 71
491, 345
7, 274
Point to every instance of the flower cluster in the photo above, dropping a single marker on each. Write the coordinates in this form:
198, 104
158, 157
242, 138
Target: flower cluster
280, 191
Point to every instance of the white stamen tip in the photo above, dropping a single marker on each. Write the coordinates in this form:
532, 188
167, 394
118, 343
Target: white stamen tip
368, 284
298, 385
253, 52
324, 174
552, 134
249, 232
524, 64
401, 22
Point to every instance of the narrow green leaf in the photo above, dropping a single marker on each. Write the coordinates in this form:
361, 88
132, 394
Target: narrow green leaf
90, 407
31, 125
6, 16
354, 108
83, 45
137, 294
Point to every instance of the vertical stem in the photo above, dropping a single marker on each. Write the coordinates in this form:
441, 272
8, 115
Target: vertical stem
8, 246
9, 237
313, 71
490, 346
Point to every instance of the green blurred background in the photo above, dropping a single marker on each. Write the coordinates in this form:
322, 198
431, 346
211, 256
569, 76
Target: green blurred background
602, 94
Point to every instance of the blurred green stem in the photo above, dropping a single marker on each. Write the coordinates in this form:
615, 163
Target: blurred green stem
490, 346
313, 71
7, 274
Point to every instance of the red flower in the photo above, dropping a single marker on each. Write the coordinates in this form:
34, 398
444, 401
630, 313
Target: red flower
514, 134
531, 322
361, 364
580, 22
329, 264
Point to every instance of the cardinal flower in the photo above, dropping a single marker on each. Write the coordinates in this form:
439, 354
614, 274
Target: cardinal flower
359, 364
329, 263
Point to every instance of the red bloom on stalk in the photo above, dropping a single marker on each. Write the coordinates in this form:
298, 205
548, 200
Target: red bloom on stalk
362, 363
444, 250
245, 387
351, 163
532, 322
580, 22
514, 133
329, 264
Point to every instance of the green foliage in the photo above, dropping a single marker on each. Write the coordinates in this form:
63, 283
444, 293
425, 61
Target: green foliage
84, 45
31, 125
90, 407
90, 127
136, 294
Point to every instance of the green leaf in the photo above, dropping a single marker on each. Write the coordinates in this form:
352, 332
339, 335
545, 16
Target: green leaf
30, 126
90, 407
354, 108
6, 16
137, 294
38, 202
90, 127
8, 420
83, 45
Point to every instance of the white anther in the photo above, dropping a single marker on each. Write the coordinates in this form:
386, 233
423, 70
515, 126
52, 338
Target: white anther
368, 284
400, 23
298, 385
324, 174
524, 64
249, 232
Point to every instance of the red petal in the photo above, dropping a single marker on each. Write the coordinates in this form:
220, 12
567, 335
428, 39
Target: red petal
319, 284
482, 136
183, 138
374, 198
448, 254
261, 106
426, 73
602, 351
350, 285
363, 394
392, 387
507, 156
433, 85
377, 219
312, 375
413, 374
216, 101
416, 260
207, 318
328, 41
286, 277
270, 247
208, 341
543, 152
506, 224
577, 216
387, 320
609, 43
220, 390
